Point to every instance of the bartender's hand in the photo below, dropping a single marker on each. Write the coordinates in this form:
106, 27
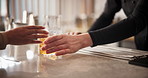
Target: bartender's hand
25, 35
64, 44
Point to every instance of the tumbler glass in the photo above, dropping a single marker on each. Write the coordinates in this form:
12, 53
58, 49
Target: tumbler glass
52, 25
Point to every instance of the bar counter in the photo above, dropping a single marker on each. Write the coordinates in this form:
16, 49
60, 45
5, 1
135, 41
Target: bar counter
97, 62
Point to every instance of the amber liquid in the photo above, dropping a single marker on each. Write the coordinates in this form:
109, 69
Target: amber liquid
41, 45
51, 56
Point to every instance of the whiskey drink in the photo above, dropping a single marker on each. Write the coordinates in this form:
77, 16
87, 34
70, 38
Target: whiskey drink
41, 45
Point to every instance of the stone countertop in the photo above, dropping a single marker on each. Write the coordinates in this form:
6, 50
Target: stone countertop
86, 63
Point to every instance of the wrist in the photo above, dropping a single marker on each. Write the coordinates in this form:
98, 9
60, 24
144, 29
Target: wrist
3, 40
85, 40
6, 38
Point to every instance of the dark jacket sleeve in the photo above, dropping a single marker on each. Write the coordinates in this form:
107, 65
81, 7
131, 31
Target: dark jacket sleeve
125, 28
111, 7
3, 41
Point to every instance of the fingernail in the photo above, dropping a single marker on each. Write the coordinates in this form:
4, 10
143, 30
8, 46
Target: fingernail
46, 31
42, 26
43, 48
45, 42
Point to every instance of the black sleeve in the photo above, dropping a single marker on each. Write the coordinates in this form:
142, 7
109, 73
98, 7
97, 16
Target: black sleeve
125, 28
111, 7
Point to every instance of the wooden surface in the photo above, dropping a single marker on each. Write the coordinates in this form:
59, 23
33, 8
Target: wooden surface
87, 63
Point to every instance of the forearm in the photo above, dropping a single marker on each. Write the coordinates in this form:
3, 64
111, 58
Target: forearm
111, 8
3, 41
131, 26
103, 21
113, 33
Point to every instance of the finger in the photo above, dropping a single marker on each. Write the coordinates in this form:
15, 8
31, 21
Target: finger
35, 41
79, 33
53, 44
53, 38
68, 33
62, 52
73, 33
60, 47
35, 36
37, 31
76, 33
34, 27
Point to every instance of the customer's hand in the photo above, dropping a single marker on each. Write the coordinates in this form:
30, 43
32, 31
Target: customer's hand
64, 44
25, 35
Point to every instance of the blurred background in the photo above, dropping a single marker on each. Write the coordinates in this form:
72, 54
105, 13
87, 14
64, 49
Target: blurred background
76, 15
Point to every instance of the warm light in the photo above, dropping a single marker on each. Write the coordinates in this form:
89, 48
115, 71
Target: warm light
29, 54
52, 56
31, 20
3, 8
8, 62
24, 17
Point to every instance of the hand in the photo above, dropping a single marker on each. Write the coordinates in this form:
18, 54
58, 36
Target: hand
64, 44
25, 35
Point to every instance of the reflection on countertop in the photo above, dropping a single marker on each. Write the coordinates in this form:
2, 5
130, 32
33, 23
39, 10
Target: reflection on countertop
78, 65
